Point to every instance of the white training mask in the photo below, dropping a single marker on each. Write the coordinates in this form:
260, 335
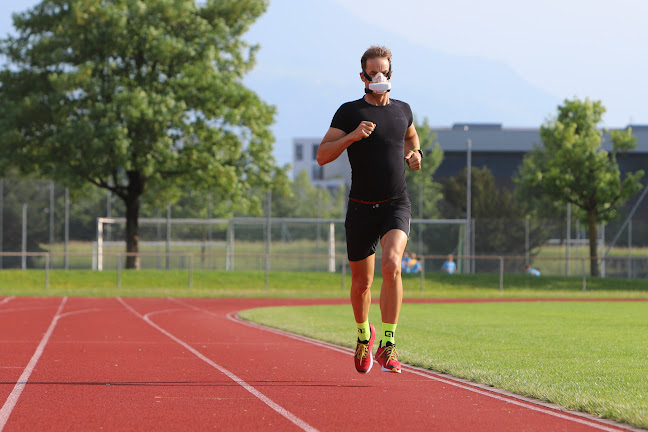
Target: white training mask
379, 84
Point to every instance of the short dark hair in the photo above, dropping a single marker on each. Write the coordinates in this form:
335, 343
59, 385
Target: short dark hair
375, 51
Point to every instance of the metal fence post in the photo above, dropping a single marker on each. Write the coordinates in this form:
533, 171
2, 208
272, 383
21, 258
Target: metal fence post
47, 265
268, 238
190, 271
331, 251
422, 273
119, 268
24, 236
1, 220
66, 234
629, 262
501, 278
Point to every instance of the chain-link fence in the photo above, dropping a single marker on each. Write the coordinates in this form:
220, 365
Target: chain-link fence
39, 221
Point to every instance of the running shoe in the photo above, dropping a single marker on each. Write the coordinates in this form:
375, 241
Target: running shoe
387, 358
363, 356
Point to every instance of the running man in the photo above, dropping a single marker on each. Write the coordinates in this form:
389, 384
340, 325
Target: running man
379, 136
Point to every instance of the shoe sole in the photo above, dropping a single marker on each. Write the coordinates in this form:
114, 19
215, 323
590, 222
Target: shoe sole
394, 370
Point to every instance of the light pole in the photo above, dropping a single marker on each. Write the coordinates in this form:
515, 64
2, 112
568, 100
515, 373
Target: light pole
467, 247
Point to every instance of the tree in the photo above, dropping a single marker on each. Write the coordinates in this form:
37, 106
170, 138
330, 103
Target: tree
500, 220
302, 200
423, 179
136, 97
423, 191
572, 167
18, 194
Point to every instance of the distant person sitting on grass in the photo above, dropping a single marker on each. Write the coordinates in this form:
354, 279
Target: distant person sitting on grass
449, 265
414, 265
530, 270
405, 263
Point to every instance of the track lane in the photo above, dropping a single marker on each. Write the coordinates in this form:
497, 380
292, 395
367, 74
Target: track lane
23, 322
321, 386
106, 367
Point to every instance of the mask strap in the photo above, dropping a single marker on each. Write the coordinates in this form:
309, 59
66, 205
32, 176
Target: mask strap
388, 76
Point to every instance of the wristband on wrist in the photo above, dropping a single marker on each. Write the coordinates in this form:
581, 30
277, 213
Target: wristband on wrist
418, 149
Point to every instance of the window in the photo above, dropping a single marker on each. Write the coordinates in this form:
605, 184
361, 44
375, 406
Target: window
299, 152
315, 147
318, 172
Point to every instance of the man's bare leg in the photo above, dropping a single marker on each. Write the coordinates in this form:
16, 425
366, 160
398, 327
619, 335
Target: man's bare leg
361, 279
391, 294
362, 273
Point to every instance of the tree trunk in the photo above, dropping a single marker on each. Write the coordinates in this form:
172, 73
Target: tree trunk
132, 201
591, 220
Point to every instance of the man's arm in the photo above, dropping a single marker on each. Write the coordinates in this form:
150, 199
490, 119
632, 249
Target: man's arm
336, 141
413, 157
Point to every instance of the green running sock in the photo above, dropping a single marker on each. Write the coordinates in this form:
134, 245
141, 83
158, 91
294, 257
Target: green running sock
389, 330
364, 332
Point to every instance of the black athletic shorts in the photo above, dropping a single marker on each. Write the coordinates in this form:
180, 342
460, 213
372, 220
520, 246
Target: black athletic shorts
366, 224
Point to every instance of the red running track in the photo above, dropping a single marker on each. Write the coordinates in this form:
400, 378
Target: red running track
172, 365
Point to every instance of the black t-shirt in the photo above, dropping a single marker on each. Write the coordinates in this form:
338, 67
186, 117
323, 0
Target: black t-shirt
377, 168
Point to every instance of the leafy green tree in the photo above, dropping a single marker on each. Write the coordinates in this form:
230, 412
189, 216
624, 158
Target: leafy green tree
305, 200
572, 167
18, 191
499, 220
424, 192
423, 179
143, 98
84, 207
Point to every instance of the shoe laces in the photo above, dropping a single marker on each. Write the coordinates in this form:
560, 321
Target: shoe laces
361, 350
390, 353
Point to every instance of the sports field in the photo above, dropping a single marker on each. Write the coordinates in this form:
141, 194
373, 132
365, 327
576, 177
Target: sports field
119, 361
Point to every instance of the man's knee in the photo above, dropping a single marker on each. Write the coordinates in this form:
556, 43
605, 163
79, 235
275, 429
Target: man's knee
361, 283
390, 268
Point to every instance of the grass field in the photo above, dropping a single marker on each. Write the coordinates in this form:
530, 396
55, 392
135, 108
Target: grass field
206, 283
587, 356
582, 355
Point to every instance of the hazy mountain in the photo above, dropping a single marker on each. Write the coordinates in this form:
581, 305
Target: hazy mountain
309, 63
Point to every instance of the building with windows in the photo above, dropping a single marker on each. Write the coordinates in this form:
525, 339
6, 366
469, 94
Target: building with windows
330, 176
498, 148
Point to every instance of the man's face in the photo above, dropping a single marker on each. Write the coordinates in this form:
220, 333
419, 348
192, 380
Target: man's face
374, 66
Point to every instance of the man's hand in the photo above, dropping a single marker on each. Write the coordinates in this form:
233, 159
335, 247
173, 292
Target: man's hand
413, 159
364, 129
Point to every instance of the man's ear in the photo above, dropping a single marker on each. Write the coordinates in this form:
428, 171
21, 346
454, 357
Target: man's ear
363, 78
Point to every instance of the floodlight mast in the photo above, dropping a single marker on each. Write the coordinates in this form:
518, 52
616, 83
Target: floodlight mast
467, 247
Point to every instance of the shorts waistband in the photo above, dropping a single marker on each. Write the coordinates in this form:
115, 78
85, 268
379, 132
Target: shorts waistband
369, 202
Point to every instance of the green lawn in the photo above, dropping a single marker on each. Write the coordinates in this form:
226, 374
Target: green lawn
208, 283
588, 356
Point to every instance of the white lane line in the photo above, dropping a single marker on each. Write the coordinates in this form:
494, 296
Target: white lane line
7, 300
9, 405
263, 398
431, 375
67, 314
